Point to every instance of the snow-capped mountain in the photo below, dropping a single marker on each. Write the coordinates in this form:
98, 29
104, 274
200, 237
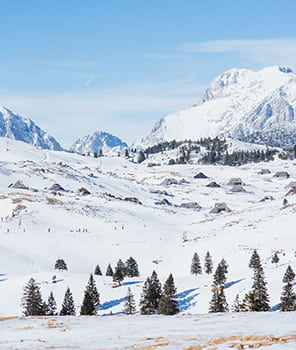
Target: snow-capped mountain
15, 127
240, 103
97, 142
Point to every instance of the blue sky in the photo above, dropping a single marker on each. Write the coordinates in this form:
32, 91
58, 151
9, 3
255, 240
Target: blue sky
75, 67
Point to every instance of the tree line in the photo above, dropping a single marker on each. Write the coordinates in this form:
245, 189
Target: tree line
154, 299
158, 299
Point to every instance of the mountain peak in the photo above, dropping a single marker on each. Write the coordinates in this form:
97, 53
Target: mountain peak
97, 142
240, 103
15, 127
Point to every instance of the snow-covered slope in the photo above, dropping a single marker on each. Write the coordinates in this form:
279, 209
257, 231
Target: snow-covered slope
23, 129
97, 142
124, 214
246, 105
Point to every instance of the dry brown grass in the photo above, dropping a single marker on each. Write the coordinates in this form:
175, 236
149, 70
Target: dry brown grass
27, 327
53, 324
51, 200
18, 209
147, 347
10, 318
251, 342
222, 340
160, 339
59, 347
20, 199
245, 342
2, 196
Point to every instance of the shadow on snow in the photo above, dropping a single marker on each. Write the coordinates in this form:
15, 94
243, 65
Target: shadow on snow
185, 303
111, 303
130, 283
229, 284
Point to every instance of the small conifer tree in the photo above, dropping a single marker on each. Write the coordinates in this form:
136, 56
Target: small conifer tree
119, 272
60, 265
224, 266
68, 307
257, 299
92, 290
208, 263
255, 260
109, 271
218, 302
288, 297
236, 307
51, 306
129, 304
98, 270
168, 304
32, 300
151, 294
87, 307
131, 268
275, 258
195, 265
220, 273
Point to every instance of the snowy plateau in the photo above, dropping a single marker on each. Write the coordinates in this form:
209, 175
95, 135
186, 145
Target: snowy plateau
241, 104
41, 223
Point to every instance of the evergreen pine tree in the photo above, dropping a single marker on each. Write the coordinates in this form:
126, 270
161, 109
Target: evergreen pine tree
247, 302
92, 290
168, 304
255, 260
195, 265
208, 263
109, 271
60, 265
88, 306
218, 302
98, 270
51, 306
220, 273
32, 300
257, 299
119, 272
151, 294
68, 307
131, 268
236, 307
275, 258
129, 304
288, 297
224, 266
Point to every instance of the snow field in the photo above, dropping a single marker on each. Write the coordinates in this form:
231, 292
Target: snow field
152, 234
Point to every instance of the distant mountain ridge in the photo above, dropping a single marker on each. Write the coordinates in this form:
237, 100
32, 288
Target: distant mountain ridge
97, 142
241, 104
15, 127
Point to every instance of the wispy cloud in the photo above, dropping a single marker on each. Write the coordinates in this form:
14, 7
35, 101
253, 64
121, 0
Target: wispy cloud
265, 52
89, 81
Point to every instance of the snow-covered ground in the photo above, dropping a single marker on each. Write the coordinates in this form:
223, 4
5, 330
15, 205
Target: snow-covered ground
189, 332
37, 227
